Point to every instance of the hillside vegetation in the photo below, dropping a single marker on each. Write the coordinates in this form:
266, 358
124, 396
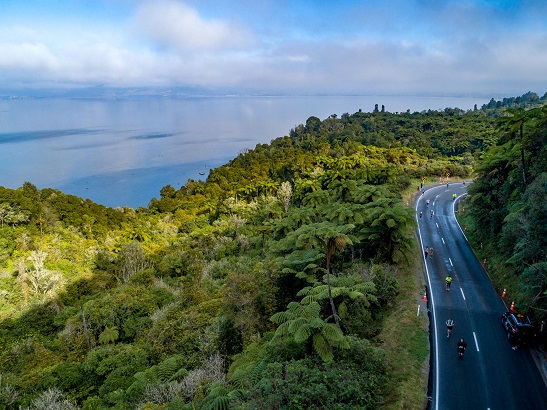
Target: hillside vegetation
267, 286
508, 209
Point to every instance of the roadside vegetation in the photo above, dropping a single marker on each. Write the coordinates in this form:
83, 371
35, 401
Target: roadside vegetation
289, 279
506, 210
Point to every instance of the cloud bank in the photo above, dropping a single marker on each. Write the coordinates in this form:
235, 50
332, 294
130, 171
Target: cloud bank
347, 47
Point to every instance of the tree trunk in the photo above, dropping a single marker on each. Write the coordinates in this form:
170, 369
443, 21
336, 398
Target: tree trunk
23, 280
330, 252
85, 330
334, 312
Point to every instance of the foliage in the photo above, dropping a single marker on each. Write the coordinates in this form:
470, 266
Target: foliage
507, 206
303, 324
169, 307
352, 382
52, 399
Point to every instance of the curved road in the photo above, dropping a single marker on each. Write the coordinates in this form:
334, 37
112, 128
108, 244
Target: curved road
491, 375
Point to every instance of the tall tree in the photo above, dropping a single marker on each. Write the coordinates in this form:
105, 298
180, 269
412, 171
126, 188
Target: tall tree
514, 122
330, 237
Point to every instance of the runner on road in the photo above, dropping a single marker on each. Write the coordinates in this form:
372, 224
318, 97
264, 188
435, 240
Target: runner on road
448, 282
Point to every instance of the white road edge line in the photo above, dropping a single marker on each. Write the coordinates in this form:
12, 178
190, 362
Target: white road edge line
435, 330
476, 343
454, 214
461, 290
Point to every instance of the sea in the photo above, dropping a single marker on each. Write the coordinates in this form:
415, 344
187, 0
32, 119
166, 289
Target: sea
122, 151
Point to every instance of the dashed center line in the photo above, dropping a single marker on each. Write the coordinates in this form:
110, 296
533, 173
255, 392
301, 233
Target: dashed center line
463, 295
442, 239
450, 260
476, 343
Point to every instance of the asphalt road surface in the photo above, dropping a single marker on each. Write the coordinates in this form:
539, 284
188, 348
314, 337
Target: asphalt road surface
491, 375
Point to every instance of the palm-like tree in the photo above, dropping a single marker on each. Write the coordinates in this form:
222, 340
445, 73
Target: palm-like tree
317, 198
303, 323
345, 213
343, 189
330, 237
304, 264
369, 193
109, 335
343, 287
387, 224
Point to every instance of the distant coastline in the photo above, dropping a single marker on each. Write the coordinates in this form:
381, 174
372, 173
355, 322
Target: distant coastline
122, 151
201, 92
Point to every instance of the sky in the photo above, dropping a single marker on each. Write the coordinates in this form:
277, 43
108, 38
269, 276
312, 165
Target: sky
394, 47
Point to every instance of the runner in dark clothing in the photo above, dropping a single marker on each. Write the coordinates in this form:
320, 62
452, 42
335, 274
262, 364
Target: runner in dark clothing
461, 348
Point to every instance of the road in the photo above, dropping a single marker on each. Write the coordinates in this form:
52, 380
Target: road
491, 375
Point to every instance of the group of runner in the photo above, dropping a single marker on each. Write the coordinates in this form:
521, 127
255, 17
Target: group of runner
461, 345
428, 251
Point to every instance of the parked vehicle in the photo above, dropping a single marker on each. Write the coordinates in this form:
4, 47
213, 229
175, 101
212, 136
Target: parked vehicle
518, 327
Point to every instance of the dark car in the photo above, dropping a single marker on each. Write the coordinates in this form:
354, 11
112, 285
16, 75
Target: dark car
519, 328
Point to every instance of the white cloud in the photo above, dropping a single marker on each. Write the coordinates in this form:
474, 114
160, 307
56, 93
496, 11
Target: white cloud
173, 24
185, 47
27, 56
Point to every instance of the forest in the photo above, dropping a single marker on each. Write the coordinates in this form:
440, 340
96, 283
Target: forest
287, 279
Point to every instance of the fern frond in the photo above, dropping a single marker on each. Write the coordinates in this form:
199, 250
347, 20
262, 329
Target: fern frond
308, 299
295, 324
304, 291
314, 308
256, 375
322, 348
282, 330
180, 374
316, 323
166, 369
143, 376
342, 310
282, 317
335, 292
302, 333
331, 332
237, 394
294, 307
220, 403
239, 378
354, 294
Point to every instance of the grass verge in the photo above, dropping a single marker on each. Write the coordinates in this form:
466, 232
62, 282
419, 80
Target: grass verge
405, 335
405, 339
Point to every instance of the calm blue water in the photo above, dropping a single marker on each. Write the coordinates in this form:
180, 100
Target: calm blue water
122, 152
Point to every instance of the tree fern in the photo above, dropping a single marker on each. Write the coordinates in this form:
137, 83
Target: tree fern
220, 403
166, 369
257, 372
239, 378
179, 374
303, 324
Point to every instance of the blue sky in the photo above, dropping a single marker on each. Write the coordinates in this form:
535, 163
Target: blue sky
472, 47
